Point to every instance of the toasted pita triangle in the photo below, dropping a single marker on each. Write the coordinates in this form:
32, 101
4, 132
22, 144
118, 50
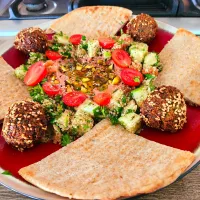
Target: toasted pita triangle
181, 65
107, 163
93, 21
11, 89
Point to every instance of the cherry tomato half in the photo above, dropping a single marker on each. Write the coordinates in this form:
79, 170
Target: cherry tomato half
121, 58
50, 89
75, 39
131, 77
74, 98
35, 74
102, 98
106, 43
52, 55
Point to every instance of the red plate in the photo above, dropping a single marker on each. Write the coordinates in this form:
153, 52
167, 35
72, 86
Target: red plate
186, 139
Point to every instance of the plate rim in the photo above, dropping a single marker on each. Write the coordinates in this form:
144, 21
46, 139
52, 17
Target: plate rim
33, 192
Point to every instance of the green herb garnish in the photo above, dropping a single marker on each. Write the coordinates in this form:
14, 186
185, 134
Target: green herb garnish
84, 46
67, 54
37, 93
83, 37
65, 140
124, 99
35, 57
149, 76
85, 126
55, 46
44, 81
115, 114
58, 98
121, 31
74, 130
60, 33
129, 111
6, 172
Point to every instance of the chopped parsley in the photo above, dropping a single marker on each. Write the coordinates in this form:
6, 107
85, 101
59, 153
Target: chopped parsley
124, 99
84, 45
129, 111
121, 31
53, 107
120, 42
152, 87
85, 126
37, 93
58, 98
35, 57
44, 81
115, 114
83, 37
60, 33
113, 119
66, 54
149, 76
6, 172
74, 130
55, 46
101, 112
65, 140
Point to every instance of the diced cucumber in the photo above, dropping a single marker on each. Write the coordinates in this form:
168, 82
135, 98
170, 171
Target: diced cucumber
131, 122
116, 100
140, 94
64, 120
151, 59
88, 107
82, 123
131, 107
61, 38
138, 51
93, 48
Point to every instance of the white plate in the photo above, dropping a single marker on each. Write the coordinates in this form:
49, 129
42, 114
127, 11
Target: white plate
36, 193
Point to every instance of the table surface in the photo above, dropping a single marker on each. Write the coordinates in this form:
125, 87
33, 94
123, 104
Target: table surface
186, 189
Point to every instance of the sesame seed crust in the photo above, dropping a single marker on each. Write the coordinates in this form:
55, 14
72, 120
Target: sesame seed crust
165, 109
31, 40
21, 127
143, 28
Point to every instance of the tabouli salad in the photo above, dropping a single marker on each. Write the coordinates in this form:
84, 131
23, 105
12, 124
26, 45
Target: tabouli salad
80, 81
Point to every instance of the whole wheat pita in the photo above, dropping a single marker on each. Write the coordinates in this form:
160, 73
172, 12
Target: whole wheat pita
93, 21
181, 65
11, 90
108, 163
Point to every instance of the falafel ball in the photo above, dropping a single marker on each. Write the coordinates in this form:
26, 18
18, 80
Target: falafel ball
164, 109
24, 125
31, 40
143, 28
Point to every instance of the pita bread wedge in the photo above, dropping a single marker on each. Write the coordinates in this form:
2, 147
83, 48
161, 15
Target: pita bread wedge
107, 163
181, 65
93, 21
11, 89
